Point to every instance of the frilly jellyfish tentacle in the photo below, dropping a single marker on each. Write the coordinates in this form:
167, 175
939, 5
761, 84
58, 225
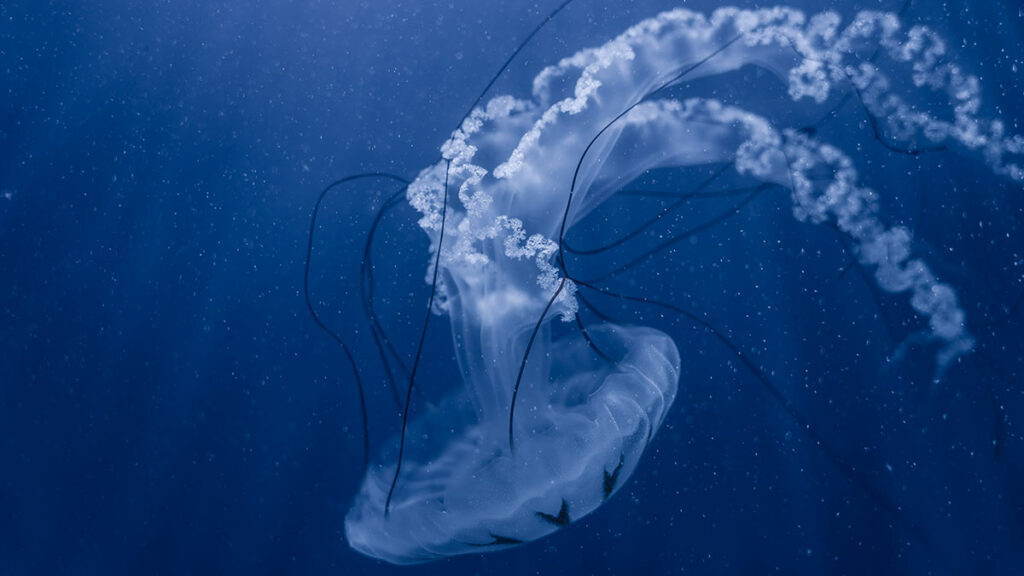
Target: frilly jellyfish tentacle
523, 172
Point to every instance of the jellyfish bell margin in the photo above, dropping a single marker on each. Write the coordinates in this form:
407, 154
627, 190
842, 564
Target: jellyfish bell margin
518, 173
469, 493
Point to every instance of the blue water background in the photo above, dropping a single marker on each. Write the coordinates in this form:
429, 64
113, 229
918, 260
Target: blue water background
167, 406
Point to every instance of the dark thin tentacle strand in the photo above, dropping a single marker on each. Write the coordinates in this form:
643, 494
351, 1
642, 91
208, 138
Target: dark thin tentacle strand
522, 367
989, 370
568, 207
590, 342
830, 454
846, 268
672, 241
367, 289
595, 310
880, 137
723, 193
388, 374
504, 66
653, 220
419, 347
316, 317
367, 271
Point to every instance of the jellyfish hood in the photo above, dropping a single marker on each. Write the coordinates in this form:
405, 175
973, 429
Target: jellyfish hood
518, 173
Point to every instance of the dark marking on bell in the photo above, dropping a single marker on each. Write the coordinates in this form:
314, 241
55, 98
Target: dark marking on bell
563, 515
497, 540
611, 479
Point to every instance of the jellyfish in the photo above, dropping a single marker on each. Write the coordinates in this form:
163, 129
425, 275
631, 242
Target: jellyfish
552, 415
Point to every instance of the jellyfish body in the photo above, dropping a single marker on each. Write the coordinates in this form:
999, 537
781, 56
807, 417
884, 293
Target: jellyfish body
520, 172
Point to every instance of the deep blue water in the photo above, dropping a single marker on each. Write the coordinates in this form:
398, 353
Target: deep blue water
167, 405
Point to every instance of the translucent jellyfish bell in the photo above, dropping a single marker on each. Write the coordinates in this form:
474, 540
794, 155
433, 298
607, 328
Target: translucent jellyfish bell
587, 427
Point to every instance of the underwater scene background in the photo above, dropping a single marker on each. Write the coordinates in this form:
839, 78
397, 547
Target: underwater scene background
168, 405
